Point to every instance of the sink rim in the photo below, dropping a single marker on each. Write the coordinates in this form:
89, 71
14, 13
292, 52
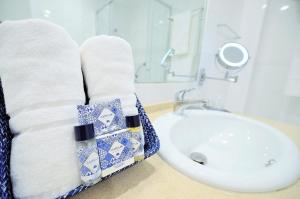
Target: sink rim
229, 180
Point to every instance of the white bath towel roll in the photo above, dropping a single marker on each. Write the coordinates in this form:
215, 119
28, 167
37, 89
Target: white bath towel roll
181, 32
40, 66
44, 164
45, 117
42, 82
108, 69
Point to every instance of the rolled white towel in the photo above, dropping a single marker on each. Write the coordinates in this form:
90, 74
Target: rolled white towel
44, 164
40, 69
42, 82
40, 65
45, 117
108, 69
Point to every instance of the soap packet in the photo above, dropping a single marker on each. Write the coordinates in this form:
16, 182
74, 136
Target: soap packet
113, 139
115, 151
106, 116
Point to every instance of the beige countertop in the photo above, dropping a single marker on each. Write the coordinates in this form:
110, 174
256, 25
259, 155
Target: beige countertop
155, 179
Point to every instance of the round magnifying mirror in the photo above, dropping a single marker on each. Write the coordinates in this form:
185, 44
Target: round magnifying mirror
233, 56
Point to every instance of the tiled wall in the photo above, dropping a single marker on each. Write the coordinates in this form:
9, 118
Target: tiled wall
245, 17
280, 34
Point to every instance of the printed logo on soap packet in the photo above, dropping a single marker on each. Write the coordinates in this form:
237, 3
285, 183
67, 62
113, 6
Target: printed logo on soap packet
106, 116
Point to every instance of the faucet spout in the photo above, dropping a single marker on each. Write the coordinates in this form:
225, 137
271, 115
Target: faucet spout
181, 104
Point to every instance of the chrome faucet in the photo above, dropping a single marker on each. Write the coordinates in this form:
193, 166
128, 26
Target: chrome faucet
181, 104
179, 96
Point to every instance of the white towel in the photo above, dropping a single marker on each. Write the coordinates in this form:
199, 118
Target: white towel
108, 69
42, 82
44, 163
43, 117
180, 33
40, 57
186, 64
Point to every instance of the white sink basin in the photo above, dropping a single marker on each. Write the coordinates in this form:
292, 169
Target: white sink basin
242, 154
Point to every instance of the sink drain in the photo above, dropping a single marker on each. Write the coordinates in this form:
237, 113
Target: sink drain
199, 158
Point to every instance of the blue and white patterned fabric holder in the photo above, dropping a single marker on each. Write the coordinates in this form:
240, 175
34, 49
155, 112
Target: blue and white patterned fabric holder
106, 116
151, 147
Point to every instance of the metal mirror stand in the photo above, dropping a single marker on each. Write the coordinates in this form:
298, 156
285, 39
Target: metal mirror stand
232, 57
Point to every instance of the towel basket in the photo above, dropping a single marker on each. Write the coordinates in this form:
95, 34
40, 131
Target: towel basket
151, 147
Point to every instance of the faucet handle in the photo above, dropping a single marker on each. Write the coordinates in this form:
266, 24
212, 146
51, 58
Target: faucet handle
205, 101
179, 95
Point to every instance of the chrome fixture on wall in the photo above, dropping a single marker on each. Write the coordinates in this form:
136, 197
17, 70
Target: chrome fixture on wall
236, 36
165, 63
170, 53
139, 68
227, 77
232, 57
181, 104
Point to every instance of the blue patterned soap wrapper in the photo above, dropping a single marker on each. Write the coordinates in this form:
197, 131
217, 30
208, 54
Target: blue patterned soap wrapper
89, 163
106, 116
115, 151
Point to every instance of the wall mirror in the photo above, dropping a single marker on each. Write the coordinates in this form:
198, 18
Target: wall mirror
165, 34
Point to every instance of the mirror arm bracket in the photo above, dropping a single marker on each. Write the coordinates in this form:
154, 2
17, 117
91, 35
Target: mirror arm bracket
226, 78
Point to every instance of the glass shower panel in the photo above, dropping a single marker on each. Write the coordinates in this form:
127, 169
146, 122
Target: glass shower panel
158, 40
117, 18
111, 19
148, 26
103, 20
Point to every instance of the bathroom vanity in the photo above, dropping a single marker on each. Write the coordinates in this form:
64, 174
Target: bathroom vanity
154, 178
